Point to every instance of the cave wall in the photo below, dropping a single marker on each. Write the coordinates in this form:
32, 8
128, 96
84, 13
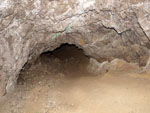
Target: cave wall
104, 29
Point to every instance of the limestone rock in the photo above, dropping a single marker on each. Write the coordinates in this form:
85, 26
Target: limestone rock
97, 68
121, 65
147, 67
2, 86
148, 63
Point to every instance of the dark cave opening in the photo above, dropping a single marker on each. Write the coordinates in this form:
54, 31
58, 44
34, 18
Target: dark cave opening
67, 60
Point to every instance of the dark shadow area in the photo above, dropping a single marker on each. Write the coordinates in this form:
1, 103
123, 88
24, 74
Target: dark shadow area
67, 59
67, 51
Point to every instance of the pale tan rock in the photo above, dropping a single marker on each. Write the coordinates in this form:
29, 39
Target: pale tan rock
121, 65
147, 67
97, 68
3, 84
148, 63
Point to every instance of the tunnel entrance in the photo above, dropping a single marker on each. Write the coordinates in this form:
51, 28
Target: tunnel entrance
58, 82
67, 61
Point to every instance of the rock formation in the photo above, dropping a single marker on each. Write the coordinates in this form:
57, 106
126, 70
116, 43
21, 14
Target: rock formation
116, 65
104, 29
146, 69
97, 68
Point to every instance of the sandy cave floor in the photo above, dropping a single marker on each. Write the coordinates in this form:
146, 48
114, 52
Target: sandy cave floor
57, 84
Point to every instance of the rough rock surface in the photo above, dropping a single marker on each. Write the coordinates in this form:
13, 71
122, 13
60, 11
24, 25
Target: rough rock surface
104, 29
147, 67
121, 65
98, 68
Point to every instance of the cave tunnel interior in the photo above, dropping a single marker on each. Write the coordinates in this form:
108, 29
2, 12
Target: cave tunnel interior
65, 61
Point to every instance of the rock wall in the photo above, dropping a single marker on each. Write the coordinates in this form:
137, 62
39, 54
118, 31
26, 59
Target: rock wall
116, 65
104, 29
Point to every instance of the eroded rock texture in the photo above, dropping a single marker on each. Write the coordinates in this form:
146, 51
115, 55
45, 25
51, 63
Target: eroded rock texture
116, 65
104, 29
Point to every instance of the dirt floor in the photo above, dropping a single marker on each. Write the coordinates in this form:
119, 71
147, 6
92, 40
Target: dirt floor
58, 82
